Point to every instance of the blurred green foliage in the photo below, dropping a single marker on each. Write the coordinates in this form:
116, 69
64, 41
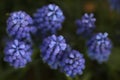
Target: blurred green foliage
107, 21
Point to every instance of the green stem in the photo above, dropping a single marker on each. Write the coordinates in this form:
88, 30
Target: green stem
69, 78
76, 78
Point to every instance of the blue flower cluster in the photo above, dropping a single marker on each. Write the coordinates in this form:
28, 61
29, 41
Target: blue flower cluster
99, 47
54, 49
72, 63
86, 25
51, 50
115, 4
56, 53
20, 25
18, 53
49, 18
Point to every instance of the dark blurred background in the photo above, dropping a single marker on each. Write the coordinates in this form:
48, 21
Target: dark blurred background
107, 21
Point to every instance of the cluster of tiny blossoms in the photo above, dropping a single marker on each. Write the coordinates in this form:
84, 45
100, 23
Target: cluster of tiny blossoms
18, 50
98, 44
54, 49
58, 55
86, 25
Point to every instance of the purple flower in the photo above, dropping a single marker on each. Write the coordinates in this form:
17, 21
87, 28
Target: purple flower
49, 18
72, 63
99, 47
20, 25
86, 25
51, 50
17, 53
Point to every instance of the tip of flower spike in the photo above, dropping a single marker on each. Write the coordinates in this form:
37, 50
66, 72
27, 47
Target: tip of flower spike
99, 47
49, 18
17, 53
19, 25
101, 35
72, 63
86, 25
51, 50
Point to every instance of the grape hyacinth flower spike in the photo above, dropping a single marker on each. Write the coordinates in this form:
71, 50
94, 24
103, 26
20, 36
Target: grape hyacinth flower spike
99, 47
86, 25
51, 50
49, 18
72, 63
20, 25
17, 53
